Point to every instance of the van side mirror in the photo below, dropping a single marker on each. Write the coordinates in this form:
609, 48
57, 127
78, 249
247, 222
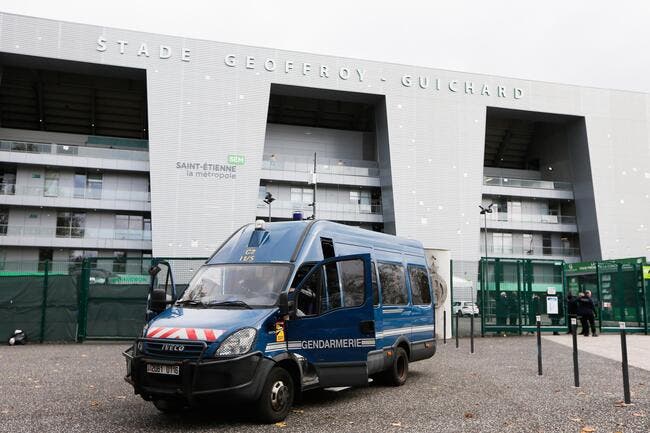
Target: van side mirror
158, 300
283, 304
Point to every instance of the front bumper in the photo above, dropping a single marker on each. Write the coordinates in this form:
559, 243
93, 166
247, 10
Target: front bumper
240, 378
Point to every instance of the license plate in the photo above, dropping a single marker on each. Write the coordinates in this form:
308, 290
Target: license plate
173, 370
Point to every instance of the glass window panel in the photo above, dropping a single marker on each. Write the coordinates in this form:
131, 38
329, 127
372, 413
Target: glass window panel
94, 186
119, 261
296, 194
393, 285
80, 185
135, 222
51, 185
420, 291
352, 278
121, 222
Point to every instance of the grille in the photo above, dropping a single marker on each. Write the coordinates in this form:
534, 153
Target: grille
190, 350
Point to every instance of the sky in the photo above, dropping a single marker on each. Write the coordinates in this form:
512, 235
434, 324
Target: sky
585, 42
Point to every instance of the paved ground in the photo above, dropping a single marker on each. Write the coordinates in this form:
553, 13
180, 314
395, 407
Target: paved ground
609, 346
79, 388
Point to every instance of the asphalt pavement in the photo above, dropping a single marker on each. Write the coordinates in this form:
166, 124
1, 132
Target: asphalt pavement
79, 388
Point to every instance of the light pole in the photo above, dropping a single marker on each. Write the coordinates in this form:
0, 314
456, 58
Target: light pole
315, 182
484, 211
268, 199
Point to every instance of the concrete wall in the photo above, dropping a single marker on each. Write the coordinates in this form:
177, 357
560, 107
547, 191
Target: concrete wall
304, 141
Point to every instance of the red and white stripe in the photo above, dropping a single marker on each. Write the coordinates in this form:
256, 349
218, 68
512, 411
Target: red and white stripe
203, 334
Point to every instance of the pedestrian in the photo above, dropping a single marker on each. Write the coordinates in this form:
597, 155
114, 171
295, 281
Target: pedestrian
572, 310
587, 313
513, 309
502, 311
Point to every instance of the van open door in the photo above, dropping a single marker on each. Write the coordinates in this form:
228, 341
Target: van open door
332, 322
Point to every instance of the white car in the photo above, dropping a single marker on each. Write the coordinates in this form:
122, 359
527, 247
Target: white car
466, 308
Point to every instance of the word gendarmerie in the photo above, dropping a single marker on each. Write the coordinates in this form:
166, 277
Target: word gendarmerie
208, 170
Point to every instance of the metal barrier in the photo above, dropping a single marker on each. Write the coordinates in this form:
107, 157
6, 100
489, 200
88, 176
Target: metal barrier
96, 298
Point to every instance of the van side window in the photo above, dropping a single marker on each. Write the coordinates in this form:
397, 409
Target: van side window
333, 297
420, 291
353, 282
375, 286
393, 284
308, 300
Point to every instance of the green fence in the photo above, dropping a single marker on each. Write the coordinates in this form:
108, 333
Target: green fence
513, 292
95, 298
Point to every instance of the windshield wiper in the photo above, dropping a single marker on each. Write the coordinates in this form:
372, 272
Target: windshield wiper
230, 304
190, 302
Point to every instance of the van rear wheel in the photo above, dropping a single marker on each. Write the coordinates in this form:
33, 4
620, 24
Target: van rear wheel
397, 374
277, 396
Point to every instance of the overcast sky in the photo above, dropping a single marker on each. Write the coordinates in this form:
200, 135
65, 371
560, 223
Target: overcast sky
586, 42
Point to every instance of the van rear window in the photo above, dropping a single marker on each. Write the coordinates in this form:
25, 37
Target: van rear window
420, 292
393, 284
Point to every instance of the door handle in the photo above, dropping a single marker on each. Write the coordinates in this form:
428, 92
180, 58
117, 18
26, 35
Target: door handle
367, 326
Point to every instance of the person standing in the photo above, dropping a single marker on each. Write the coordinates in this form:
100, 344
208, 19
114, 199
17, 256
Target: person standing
587, 313
533, 310
502, 309
572, 310
513, 309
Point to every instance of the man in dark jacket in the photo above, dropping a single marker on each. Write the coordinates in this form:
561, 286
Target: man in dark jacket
572, 310
502, 309
513, 309
587, 313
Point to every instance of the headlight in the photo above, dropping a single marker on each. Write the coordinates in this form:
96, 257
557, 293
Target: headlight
238, 343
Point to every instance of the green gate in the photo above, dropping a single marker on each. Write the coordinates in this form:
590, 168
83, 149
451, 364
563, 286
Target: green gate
519, 290
619, 289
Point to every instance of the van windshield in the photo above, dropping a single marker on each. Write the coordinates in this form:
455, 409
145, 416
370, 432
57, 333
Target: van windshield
247, 286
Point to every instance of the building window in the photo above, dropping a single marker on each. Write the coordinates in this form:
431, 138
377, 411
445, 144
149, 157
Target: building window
44, 254
131, 226
527, 243
88, 185
514, 211
70, 224
502, 243
7, 180
302, 195
4, 221
262, 192
362, 199
547, 244
3, 259
51, 184
94, 186
119, 262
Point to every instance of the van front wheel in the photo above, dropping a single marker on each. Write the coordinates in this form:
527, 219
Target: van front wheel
277, 396
397, 374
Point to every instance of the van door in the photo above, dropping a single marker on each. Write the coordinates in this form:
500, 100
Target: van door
332, 324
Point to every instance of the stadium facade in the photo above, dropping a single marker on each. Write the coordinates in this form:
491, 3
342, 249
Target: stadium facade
118, 143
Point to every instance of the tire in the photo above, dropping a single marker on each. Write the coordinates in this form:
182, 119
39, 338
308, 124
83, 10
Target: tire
168, 406
277, 396
397, 374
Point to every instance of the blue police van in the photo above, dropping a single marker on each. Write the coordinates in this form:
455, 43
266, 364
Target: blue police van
281, 308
